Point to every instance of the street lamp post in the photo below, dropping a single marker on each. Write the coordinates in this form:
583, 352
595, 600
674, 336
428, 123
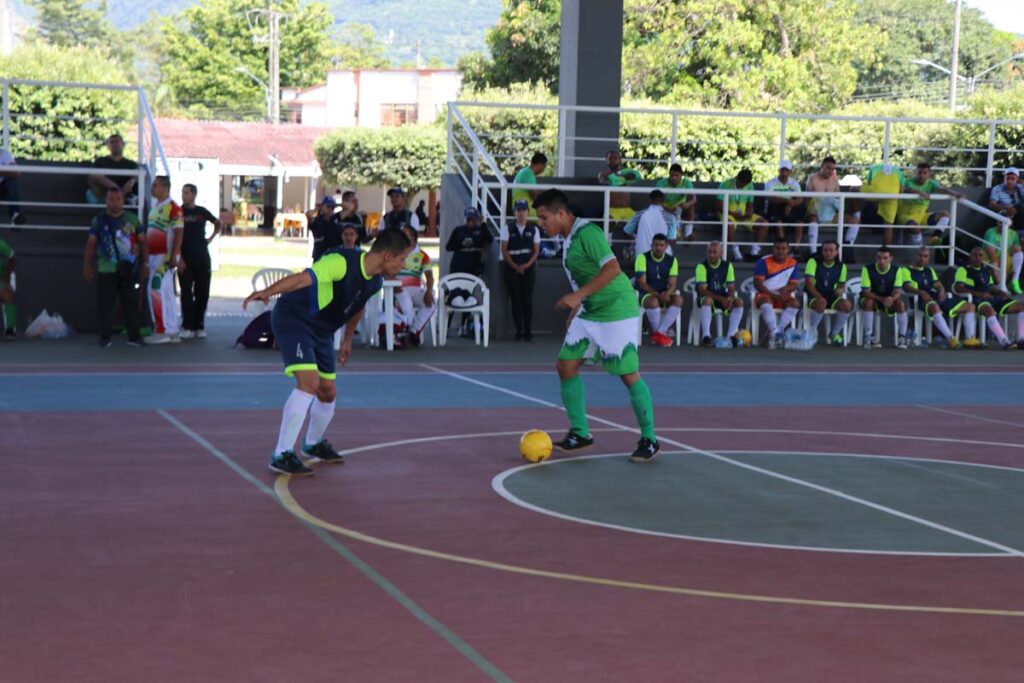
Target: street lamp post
970, 81
266, 89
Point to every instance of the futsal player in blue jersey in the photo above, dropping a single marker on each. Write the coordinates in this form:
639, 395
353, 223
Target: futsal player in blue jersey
314, 304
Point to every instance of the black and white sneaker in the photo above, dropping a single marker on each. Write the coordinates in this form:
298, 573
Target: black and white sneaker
324, 452
645, 451
574, 442
10, 334
288, 463
706, 342
105, 343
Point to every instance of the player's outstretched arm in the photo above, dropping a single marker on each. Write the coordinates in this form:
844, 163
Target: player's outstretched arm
288, 284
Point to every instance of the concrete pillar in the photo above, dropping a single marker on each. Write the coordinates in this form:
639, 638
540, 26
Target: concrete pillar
590, 75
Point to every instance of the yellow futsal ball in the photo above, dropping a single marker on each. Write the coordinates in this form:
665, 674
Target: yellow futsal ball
746, 337
535, 446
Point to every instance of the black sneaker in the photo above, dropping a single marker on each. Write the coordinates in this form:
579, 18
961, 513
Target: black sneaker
18, 218
519, 336
324, 452
10, 334
136, 341
288, 463
527, 337
105, 343
414, 339
645, 451
706, 342
574, 442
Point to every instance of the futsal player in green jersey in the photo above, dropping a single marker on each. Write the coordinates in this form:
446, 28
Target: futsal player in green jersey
605, 320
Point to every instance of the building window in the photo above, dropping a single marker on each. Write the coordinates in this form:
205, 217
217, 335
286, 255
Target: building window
397, 114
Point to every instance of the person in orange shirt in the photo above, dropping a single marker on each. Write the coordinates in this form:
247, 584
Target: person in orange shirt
776, 277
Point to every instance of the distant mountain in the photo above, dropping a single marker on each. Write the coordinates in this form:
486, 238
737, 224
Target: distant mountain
445, 29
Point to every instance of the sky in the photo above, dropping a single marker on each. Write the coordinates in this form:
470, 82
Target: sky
1006, 15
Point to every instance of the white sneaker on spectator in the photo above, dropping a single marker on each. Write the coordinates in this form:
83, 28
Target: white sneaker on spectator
187, 334
201, 334
173, 339
157, 339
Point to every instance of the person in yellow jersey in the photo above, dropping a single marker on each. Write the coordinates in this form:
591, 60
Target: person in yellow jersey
741, 213
617, 175
914, 212
885, 178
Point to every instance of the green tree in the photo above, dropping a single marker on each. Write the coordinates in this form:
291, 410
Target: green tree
209, 45
524, 47
70, 23
64, 124
358, 48
923, 29
411, 157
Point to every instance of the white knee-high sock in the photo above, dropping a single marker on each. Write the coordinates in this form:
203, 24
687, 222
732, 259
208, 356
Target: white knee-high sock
668, 318
869, 325
816, 317
916, 238
735, 316
787, 317
705, 321
901, 322
942, 326
851, 233
295, 409
812, 236
942, 224
653, 318
840, 322
1017, 260
768, 313
1020, 326
996, 329
970, 325
736, 255
320, 415
688, 230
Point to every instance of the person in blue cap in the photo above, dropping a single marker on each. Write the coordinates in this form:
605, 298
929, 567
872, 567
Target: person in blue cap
325, 228
467, 244
520, 247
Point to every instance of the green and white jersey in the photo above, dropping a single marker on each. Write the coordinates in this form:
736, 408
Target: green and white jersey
674, 200
584, 253
524, 176
6, 254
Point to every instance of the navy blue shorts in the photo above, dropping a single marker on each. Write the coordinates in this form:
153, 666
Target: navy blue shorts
302, 346
949, 306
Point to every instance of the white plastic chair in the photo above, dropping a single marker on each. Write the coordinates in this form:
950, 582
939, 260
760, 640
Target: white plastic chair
853, 286
268, 276
693, 328
481, 312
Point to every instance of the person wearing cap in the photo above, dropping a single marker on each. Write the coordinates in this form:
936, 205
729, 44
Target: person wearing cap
467, 243
399, 216
325, 228
683, 206
826, 209
520, 247
527, 175
1007, 199
654, 220
784, 210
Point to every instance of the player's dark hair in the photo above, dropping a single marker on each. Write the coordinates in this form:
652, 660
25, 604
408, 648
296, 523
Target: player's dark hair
163, 180
347, 195
190, 186
660, 237
675, 168
115, 190
925, 164
390, 242
884, 250
657, 196
552, 200
611, 152
829, 160
538, 158
408, 230
781, 240
744, 177
833, 242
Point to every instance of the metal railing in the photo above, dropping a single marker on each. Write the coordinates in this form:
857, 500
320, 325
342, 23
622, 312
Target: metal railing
28, 132
137, 206
784, 135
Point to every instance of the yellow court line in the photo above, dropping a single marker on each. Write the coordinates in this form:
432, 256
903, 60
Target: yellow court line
293, 506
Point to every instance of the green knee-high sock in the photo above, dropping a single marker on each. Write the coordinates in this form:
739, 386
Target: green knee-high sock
574, 400
643, 408
10, 316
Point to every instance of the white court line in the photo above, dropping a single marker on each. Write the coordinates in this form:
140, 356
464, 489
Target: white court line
793, 480
973, 417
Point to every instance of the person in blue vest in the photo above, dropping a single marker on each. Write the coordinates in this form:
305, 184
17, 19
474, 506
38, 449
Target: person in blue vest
990, 299
922, 281
882, 290
825, 285
715, 281
657, 272
520, 247
314, 304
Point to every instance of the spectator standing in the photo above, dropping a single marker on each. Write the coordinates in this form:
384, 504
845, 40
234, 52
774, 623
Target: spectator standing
421, 212
164, 230
99, 183
785, 211
740, 212
618, 176
350, 237
325, 228
9, 187
349, 215
117, 241
399, 216
520, 248
10, 310
527, 175
654, 220
683, 206
195, 270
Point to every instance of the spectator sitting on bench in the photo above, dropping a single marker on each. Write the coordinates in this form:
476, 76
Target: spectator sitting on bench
99, 183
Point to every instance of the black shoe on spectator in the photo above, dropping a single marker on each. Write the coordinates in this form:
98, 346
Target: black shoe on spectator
136, 341
574, 442
519, 336
10, 335
17, 218
324, 452
288, 463
706, 342
414, 339
645, 451
527, 336
105, 342
752, 258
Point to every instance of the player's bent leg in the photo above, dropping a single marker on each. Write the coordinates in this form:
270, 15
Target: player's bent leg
643, 408
320, 415
570, 359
